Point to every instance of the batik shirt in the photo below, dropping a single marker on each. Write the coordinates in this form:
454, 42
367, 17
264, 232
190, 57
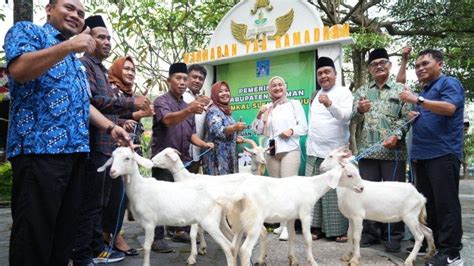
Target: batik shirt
49, 114
384, 119
222, 159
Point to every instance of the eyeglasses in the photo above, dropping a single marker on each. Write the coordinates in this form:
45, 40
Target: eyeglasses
380, 63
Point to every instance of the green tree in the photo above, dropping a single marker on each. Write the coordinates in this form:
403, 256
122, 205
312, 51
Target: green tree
445, 24
157, 34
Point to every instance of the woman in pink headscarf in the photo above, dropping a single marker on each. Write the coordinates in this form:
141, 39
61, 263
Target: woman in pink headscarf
221, 129
282, 121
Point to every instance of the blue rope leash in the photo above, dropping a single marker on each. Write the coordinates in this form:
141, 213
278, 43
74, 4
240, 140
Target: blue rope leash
378, 145
109, 250
112, 243
389, 225
199, 156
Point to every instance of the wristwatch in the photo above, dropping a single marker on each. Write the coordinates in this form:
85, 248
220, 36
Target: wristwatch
110, 128
420, 100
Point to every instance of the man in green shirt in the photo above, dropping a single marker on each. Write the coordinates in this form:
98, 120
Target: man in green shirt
378, 114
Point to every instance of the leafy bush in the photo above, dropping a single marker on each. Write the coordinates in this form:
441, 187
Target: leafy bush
5, 181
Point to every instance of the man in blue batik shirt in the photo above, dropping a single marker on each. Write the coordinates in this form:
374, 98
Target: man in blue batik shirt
437, 147
48, 137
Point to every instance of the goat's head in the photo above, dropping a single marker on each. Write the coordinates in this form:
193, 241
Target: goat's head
345, 175
335, 157
124, 162
256, 152
167, 159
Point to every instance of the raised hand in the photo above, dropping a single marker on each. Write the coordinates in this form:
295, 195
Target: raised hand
406, 51
141, 102
83, 42
239, 126
324, 99
262, 110
364, 105
196, 107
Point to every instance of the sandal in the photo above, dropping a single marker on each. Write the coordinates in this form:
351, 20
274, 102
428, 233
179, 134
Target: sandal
129, 252
341, 239
317, 236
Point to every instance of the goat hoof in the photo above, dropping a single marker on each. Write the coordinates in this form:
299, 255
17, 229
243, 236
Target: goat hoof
346, 257
191, 261
353, 263
293, 263
202, 251
408, 263
429, 255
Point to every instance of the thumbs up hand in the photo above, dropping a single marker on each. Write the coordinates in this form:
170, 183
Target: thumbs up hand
82, 42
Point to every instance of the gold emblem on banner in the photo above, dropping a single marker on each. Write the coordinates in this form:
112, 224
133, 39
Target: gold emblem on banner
261, 4
282, 25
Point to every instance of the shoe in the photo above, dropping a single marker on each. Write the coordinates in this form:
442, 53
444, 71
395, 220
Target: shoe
278, 230
444, 259
392, 246
182, 238
161, 246
129, 252
421, 252
367, 241
109, 257
284, 234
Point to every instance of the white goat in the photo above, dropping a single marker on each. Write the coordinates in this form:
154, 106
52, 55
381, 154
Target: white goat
386, 202
258, 162
169, 159
156, 202
275, 200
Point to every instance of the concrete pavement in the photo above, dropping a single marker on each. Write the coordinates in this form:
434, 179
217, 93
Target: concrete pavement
325, 252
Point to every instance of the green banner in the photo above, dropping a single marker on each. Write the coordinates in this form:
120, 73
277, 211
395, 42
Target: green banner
248, 82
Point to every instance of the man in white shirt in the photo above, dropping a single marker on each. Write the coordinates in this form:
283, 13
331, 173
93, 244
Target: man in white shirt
196, 76
329, 118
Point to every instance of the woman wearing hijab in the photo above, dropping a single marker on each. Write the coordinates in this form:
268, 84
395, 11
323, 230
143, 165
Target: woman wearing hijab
282, 121
221, 129
122, 78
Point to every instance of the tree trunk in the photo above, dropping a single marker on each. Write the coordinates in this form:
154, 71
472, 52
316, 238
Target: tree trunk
22, 10
360, 67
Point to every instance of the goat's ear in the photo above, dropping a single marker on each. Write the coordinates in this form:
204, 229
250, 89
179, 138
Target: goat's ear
106, 164
148, 164
332, 177
346, 153
248, 150
174, 156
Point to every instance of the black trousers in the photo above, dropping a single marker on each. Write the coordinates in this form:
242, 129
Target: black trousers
46, 195
383, 170
438, 180
89, 237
